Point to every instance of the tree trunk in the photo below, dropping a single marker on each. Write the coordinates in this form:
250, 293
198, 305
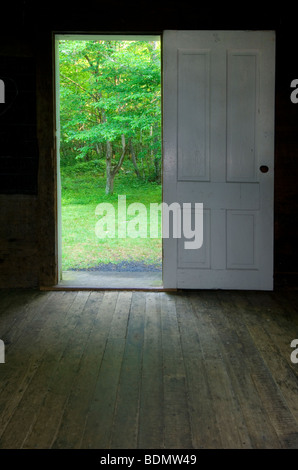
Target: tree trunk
156, 161
157, 165
133, 159
111, 172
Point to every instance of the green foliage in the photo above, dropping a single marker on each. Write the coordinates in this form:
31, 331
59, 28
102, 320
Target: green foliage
110, 89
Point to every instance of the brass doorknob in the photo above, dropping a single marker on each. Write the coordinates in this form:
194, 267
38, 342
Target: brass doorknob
264, 168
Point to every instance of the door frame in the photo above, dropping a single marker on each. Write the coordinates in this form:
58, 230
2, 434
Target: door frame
84, 37
169, 268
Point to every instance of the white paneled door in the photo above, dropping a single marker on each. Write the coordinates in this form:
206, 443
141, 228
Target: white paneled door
218, 150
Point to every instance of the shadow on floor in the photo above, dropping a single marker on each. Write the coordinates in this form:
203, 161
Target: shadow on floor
113, 279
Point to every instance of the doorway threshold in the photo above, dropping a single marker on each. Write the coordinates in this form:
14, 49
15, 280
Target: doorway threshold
111, 280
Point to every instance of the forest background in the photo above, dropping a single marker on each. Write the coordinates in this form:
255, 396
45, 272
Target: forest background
110, 145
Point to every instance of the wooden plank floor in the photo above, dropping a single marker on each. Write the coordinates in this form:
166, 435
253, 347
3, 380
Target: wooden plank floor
150, 370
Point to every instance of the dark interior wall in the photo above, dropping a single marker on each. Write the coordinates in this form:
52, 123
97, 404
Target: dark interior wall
286, 160
27, 187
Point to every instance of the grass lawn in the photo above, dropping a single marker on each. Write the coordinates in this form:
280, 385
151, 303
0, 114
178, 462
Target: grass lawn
82, 191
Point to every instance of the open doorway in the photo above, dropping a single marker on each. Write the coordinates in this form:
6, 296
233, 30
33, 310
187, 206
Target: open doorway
108, 114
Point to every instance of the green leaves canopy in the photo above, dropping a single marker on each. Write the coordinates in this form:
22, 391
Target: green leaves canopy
109, 89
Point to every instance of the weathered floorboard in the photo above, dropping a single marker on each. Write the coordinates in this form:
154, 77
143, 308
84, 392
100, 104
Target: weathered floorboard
150, 370
126, 416
205, 430
177, 427
151, 419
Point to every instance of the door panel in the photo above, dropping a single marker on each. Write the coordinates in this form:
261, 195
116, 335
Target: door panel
242, 117
218, 113
199, 258
241, 240
193, 115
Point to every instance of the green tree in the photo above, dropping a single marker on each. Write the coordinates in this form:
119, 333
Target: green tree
110, 105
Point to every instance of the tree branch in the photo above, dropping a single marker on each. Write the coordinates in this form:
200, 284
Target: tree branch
79, 86
75, 83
